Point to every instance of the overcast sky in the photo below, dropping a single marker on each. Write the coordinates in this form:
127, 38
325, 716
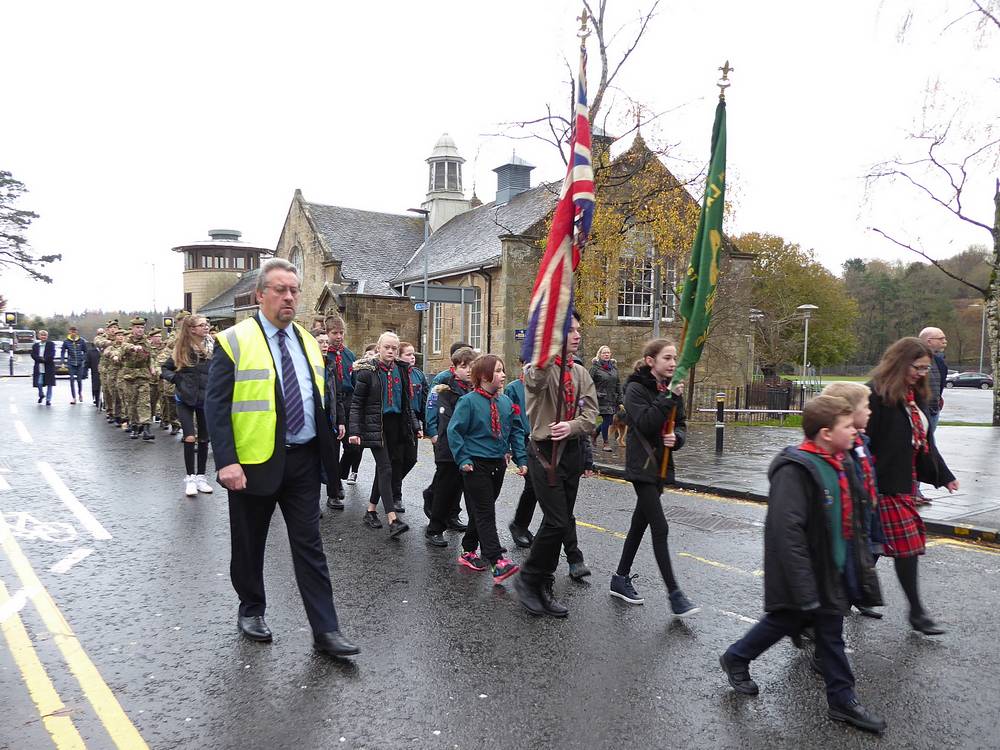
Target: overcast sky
138, 127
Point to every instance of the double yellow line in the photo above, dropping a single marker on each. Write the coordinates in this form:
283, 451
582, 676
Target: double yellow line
51, 708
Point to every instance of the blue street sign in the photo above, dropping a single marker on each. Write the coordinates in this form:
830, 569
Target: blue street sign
520, 334
421, 306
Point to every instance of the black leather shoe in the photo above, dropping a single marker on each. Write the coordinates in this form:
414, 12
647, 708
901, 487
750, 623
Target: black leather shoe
738, 674
455, 524
857, 715
146, 434
578, 571
529, 596
334, 504
428, 502
254, 628
521, 536
436, 540
340, 494
397, 527
869, 612
372, 520
925, 625
334, 644
398, 508
552, 607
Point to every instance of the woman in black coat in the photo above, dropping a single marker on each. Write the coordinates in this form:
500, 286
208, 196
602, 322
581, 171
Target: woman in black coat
187, 369
382, 419
43, 375
648, 405
905, 455
604, 373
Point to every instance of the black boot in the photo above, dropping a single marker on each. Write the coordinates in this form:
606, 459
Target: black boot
146, 434
134, 432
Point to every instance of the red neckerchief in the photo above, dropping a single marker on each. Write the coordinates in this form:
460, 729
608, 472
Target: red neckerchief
919, 434
569, 395
837, 462
390, 378
339, 362
462, 385
494, 412
867, 470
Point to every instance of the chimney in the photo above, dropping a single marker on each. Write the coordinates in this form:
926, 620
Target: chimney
513, 178
224, 235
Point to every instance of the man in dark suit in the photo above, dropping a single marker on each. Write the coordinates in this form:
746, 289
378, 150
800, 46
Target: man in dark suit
264, 406
43, 376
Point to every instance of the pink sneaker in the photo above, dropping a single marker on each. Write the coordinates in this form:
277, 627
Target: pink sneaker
472, 561
504, 569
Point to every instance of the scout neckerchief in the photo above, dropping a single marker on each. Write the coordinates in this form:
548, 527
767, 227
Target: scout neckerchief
494, 412
837, 462
866, 470
391, 379
569, 395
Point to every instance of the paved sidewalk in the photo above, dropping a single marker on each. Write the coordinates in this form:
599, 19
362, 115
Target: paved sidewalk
972, 454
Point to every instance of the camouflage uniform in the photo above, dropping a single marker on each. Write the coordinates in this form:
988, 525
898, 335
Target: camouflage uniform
168, 406
135, 374
111, 377
102, 343
154, 374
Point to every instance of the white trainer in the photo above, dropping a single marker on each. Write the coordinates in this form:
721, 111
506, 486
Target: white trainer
190, 485
202, 483
352, 478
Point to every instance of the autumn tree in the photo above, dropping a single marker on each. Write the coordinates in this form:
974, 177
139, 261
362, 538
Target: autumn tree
15, 251
784, 277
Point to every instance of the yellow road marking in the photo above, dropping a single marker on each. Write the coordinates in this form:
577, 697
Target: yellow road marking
722, 566
50, 706
963, 545
121, 729
586, 525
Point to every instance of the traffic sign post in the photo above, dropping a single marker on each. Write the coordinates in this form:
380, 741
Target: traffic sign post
422, 306
10, 318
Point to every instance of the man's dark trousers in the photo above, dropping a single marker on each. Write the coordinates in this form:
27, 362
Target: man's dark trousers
774, 626
249, 519
557, 505
526, 509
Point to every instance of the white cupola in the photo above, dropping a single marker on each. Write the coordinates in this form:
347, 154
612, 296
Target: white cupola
445, 196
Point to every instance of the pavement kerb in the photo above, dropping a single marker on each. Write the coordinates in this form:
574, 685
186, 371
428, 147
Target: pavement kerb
961, 531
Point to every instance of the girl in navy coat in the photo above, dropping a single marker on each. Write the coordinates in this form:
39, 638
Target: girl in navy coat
483, 433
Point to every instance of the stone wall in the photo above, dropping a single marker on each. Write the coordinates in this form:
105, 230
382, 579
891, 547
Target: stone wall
205, 284
368, 317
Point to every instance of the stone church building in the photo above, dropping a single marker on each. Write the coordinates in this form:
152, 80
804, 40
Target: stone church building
363, 264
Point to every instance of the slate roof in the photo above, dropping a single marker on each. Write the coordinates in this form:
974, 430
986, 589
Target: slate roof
371, 246
223, 305
473, 238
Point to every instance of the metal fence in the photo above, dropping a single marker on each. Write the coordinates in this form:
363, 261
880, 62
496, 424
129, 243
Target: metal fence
760, 396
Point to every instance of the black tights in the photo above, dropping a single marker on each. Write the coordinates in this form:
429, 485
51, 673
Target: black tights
648, 512
906, 572
189, 452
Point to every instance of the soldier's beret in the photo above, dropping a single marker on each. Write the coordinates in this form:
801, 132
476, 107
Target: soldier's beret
137, 321
154, 331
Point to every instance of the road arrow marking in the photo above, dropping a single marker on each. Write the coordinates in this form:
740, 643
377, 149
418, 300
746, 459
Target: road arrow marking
70, 560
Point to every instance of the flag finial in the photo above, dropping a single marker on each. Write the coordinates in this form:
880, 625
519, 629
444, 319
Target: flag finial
724, 82
584, 31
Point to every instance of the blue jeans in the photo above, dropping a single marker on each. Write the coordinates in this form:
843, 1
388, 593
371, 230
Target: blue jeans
932, 421
774, 626
76, 373
605, 425
45, 392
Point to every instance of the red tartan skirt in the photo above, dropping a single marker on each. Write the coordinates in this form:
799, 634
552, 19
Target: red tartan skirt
905, 535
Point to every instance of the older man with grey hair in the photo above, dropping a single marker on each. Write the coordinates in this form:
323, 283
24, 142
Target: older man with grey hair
938, 342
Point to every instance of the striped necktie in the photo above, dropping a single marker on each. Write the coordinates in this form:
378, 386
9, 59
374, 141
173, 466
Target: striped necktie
295, 418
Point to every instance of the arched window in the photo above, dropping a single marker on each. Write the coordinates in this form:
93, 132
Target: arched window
296, 259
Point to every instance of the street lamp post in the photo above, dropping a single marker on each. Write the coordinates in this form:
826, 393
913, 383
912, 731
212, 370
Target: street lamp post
806, 312
426, 312
755, 316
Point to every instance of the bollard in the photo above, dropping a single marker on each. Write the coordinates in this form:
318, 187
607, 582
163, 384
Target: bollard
720, 425
10, 362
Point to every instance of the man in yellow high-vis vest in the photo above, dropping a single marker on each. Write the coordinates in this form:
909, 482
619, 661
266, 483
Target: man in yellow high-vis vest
265, 410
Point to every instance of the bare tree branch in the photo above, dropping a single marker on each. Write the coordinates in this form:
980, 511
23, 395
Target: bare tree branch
933, 262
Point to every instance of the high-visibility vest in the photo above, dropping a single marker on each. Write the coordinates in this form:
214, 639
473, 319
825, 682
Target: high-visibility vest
254, 414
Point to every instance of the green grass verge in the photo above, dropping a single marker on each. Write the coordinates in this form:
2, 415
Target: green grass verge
792, 420
965, 424
832, 378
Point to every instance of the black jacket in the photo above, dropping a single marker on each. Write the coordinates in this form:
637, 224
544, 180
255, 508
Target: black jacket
799, 572
264, 478
609, 388
45, 363
366, 405
891, 434
646, 410
191, 382
336, 404
447, 396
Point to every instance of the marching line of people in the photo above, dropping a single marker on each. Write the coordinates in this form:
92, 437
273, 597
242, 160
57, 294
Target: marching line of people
286, 410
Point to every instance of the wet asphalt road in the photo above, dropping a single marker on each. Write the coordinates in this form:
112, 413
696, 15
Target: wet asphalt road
448, 660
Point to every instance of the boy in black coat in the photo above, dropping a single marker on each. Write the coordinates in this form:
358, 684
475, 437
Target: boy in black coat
817, 560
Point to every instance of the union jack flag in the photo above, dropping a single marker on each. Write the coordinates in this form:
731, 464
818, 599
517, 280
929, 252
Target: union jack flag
549, 312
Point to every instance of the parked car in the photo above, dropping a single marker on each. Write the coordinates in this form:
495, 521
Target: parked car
969, 380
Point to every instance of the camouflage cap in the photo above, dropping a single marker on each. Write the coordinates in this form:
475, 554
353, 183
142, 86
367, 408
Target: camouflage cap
112, 322
154, 331
137, 321
181, 315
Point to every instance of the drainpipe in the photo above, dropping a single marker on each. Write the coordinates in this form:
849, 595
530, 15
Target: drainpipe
489, 307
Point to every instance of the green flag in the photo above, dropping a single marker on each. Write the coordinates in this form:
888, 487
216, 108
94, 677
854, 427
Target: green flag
698, 294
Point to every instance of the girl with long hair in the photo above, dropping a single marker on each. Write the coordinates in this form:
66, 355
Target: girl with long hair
905, 455
604, 373
187, 369
648, 404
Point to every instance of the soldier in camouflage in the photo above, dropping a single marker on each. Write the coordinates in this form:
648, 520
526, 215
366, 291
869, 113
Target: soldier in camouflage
113, 377
156, 348
137, 366
103, 343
